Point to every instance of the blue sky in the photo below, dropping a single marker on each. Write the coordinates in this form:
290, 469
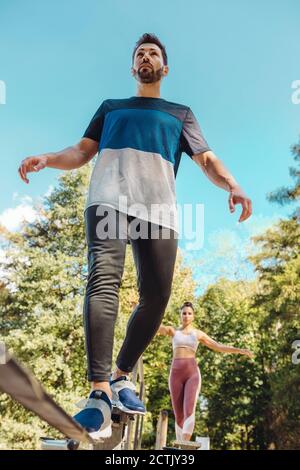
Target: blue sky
232, 62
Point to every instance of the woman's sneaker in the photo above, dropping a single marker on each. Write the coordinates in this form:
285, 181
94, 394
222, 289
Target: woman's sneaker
96, 415
124, 396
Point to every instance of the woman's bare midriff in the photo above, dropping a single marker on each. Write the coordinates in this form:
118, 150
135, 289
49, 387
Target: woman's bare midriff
183, 353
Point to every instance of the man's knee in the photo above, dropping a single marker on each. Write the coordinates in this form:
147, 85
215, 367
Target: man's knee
158, 300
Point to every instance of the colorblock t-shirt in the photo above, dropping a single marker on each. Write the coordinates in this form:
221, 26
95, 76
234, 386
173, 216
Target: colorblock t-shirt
141, 141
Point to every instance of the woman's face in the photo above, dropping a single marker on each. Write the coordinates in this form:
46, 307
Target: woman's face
187, 316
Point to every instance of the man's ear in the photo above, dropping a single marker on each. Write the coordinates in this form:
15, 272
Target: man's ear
132, 71
166, 70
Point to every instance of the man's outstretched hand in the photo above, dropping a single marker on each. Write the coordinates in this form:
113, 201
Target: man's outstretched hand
31, 164
237, 196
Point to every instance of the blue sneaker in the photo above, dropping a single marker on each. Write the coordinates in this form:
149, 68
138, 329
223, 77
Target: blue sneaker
96, 415
124, 396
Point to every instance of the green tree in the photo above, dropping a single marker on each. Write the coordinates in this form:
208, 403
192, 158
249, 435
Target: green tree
41, 314
234, 390
289, 195
278, 268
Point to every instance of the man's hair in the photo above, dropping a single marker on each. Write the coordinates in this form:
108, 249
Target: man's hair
187, 304
150, 37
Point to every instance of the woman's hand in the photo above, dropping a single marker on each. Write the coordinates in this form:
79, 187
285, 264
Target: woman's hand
246, 352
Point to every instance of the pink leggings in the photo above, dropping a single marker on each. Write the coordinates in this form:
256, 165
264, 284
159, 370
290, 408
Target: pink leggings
184, 385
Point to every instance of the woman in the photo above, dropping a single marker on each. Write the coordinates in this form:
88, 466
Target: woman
185, 377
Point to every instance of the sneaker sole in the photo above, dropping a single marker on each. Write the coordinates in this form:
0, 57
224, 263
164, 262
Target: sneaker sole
118, 404
103, 433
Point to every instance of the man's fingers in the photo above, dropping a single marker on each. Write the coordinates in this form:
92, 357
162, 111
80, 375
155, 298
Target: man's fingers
39, 166
231, 203
242, 216
244, 213
244, 201
23, 173
30, 164
247, 210
250, 206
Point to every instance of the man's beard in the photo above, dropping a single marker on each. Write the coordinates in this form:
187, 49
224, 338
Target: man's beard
148, 75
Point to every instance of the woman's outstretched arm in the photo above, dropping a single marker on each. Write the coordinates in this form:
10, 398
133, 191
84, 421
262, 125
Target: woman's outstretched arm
215, 346
166, 330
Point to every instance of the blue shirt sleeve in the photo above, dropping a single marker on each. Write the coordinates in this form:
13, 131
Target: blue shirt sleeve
192, 140
95, 127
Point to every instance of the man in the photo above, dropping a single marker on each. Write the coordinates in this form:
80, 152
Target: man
140, 141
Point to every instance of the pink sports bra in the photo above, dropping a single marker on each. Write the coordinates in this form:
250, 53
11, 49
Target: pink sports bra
182, 340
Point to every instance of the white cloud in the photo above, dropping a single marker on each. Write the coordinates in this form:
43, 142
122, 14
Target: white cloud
12, 218
49, 191
22, 198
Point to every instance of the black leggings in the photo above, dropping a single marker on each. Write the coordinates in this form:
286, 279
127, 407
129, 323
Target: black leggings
154, 260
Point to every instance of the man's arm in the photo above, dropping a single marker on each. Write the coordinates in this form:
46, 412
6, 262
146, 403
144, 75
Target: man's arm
67, 159
74, 156
215, 170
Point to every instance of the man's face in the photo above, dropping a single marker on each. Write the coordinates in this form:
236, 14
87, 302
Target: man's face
148, 65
